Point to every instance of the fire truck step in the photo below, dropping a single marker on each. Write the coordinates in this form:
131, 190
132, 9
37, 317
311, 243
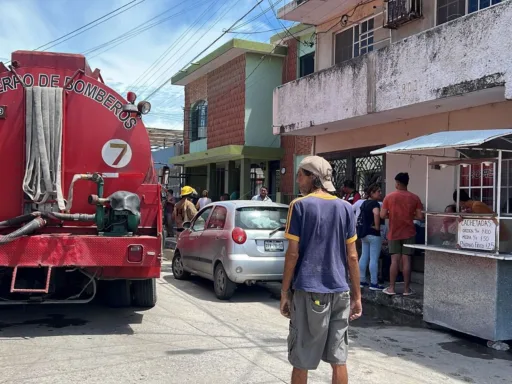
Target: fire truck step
18, 270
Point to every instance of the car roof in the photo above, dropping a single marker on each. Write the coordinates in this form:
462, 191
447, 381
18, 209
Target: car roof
249, 203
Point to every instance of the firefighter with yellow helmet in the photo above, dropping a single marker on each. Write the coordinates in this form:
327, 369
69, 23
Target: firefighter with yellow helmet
185, 210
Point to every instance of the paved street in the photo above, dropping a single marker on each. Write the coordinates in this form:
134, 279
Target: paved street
190, 337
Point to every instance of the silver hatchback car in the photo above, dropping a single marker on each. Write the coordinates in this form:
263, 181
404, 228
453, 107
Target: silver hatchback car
233, 242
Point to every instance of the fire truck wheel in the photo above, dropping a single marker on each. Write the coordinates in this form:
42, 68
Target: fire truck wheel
144, 293
178, 271
224, 288
118, 293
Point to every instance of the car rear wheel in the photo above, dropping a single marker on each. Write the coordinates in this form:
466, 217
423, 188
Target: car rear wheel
224, 288
178, 271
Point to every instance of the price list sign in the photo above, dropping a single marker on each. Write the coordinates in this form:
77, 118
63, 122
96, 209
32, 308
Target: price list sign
477, 234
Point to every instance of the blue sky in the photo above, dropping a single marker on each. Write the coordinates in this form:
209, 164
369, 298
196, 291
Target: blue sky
190, 26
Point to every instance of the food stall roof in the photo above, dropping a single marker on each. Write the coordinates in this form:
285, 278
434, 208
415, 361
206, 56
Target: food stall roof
452, 139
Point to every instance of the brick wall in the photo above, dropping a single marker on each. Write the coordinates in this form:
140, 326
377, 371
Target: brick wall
292, 145
290, 61
197, 90
226, 104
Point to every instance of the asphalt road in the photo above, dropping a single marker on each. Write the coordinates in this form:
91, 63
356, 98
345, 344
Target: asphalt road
191, 337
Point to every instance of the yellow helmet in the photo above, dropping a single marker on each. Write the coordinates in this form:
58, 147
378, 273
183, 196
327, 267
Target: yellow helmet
187, 190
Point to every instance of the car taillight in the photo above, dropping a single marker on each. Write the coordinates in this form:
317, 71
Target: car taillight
135, 253
239, 235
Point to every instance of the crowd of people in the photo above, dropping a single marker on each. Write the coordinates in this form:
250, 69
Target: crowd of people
323, 274
180, 210
377, 239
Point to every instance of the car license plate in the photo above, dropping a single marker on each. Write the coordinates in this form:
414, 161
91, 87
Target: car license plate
274, 246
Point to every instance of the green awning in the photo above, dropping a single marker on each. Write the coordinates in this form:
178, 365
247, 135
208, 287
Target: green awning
227, 153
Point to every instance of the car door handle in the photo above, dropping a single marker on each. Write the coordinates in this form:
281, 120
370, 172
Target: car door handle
220, 238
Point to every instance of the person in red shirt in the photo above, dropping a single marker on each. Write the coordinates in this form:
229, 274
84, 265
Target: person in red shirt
402, 208
349, 193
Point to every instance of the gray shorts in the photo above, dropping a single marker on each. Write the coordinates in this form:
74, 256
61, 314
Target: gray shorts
318, 332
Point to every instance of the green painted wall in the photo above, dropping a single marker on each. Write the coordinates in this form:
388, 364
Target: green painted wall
259, 88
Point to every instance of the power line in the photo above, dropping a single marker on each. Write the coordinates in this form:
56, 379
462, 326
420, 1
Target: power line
222, 34
131, 33
167, 51
247, 22
101, 22
154, 75
280, 22
256, 32
210, 45
86, 25
183, 55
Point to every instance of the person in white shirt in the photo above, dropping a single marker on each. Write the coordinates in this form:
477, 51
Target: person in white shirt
203, 201
263, 196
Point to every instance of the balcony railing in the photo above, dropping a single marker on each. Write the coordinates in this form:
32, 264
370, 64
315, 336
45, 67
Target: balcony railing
400, 12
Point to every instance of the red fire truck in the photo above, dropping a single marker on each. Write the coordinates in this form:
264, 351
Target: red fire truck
80, 209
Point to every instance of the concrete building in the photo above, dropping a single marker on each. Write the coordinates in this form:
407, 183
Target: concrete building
390, 71
229, 144
299, 62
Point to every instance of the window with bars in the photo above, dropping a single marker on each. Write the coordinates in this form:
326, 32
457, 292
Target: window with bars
355, 41
362, 168
448, 10
478, 181
198, 121
363, 37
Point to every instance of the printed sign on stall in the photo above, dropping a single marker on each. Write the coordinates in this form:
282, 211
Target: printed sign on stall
479, 234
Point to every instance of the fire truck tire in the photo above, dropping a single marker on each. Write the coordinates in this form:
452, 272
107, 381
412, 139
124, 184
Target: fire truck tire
144, 293
118, 293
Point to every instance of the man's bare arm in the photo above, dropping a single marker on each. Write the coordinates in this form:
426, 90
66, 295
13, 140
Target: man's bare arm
383, 213
353, 270
290, 261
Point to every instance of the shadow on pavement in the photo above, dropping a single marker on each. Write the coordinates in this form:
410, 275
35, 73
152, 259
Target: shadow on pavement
203, 289
65, 320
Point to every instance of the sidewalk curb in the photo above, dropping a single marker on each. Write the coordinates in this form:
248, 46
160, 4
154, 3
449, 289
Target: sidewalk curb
411, 305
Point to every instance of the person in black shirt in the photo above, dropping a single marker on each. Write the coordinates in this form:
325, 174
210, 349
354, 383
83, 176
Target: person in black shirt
368, 229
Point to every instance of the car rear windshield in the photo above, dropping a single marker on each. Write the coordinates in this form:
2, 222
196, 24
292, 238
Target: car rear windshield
261, 217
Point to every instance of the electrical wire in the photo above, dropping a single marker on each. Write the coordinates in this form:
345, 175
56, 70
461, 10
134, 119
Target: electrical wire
93, 26
209, 46
157, 61
143, 86
136, 31
284, 26
86, 25
256, 32
254, 18
168, 50
222, 34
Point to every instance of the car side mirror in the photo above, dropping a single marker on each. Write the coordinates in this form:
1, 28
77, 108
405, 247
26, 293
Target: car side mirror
186, 225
